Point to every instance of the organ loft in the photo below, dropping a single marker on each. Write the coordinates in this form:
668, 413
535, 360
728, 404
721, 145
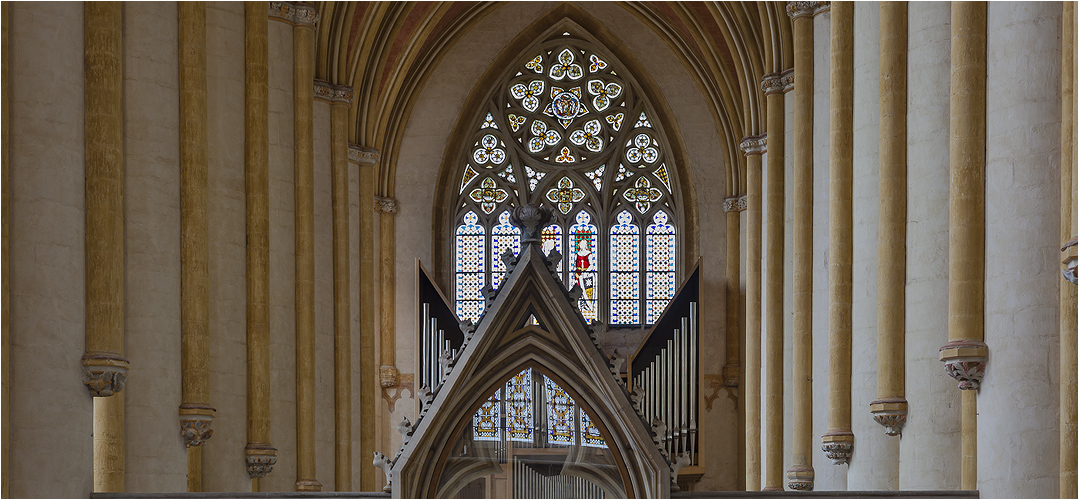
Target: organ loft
539, 249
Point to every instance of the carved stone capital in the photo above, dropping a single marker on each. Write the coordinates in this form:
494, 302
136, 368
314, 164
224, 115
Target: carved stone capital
362, 155
385, 205
778, 83
965, 360
838, 445
388, 375
325, 91
105, 373
196, 420
800, 478
1070, 265
736, 203
754, 145
891, 413
294, 13
798, 10
260, 458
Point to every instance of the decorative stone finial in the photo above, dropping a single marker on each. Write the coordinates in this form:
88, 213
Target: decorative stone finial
195, 422
531, 219
838, 445
260, 458
800, 478
891, 413
105, 372
964, 360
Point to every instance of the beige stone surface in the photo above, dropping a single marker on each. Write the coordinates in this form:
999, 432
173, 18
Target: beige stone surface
282, 264
223, 467
324, 434
51, 409
874, 465
156, 460
358, 462
929, 455
1018, 397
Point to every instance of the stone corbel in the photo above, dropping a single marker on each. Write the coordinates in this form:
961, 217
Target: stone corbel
328, 92
196, 421
735, 203
965, 360
385, 205
363, 156
891, 413
105, 373
800, 478
260, 458
387, 376
838, 445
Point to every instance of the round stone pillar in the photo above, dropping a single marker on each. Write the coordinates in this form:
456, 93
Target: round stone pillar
753, 147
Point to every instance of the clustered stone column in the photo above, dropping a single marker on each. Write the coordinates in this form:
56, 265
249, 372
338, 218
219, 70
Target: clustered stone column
800, 475
753, 147
774, 86
339, 98
303, 46
838, 441
370, 387
965, 354
732, 369
387, 370
890, 407
260, 456
1069, 361
103, 363
196, 415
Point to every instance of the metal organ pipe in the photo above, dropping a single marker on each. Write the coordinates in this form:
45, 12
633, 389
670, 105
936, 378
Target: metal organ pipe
693, 381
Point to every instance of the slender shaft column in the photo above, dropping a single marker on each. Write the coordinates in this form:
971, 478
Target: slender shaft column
103, 362
965, 353
753, 147
303, 46
196, 415
5, 253
890, 407
339, 99
369, 386
774, 85
838, 442
387, 371
1069, 364
260, 455
732, 369
800, 475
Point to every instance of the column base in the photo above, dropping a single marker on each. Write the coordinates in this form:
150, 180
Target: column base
891, 413
308, 485
106, 372
196, 420
260, 459
800, 478
838, 445
965, 360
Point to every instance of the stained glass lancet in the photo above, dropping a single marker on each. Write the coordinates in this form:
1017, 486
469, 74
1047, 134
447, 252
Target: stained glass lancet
625, 271
560, 413
584, 247
660, 263
503, 236
519, 407
485, 423
470, 267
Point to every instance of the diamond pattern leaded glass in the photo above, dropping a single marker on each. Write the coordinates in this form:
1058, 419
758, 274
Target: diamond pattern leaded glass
660, 264
560, 413
590, 435
503, 236
471, 243
519, 407
569, 127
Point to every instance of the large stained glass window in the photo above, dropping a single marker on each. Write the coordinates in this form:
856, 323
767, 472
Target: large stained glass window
568, 127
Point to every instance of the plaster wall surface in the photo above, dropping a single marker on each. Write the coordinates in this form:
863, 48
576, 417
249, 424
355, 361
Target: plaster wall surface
282, 262
873, 465
1018, 443
929, 457
155, 453
222, 460
51, 410
827, 476
324, 348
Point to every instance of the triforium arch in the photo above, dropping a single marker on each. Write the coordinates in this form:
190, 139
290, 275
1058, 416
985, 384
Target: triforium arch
557, 344
587, 32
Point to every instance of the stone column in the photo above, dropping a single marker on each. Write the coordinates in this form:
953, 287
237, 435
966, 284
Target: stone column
103, 362
732, 368
387, 370
259, 454
196, 415
369, 385
965, 354
800, 475
5, 252
774, 86
339, 98
753, 147
1069, 361
303, 46
838, 442
890, 407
